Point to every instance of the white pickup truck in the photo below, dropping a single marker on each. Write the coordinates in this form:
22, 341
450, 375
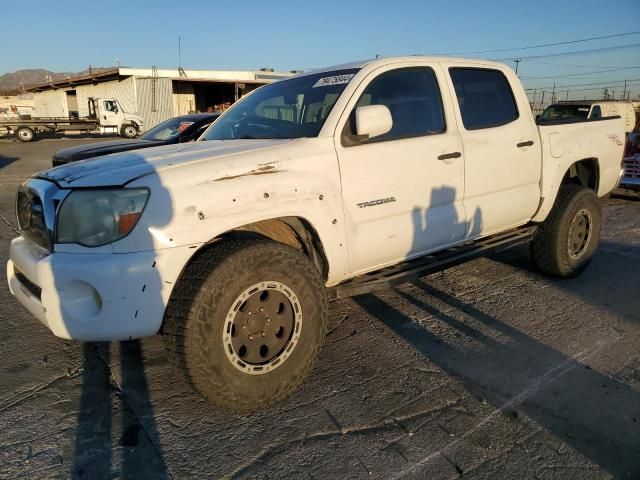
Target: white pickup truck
324, 185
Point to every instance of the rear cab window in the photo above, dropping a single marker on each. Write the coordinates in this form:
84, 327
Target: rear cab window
484, 97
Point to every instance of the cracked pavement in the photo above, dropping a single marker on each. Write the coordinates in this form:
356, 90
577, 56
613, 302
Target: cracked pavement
486, 370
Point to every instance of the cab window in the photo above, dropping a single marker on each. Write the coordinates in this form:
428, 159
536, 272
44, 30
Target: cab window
484, 97
110, 106
413, 98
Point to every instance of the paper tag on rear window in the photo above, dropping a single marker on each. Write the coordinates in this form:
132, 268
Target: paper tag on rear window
335, 80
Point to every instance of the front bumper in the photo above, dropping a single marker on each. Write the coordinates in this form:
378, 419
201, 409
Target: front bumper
95, 297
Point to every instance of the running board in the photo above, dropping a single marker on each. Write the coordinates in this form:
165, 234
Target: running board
412, 269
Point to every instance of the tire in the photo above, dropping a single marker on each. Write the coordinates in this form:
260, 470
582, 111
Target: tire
576, 211
25, 134
130, 130
198, 330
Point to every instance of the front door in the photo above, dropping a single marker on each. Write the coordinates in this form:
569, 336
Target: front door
403, 190
110, 113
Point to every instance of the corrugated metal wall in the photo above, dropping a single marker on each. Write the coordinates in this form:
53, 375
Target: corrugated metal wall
50, 103
122, 90
163, 100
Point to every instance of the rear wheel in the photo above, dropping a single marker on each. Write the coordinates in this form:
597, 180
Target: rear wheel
25, 134
565, 243
246, 322
129, 131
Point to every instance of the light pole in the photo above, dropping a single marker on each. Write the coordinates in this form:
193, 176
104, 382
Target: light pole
517, 62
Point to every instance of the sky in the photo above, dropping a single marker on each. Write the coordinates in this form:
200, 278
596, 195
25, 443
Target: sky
286, 35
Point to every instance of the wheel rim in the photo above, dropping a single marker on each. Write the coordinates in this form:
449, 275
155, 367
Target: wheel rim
26, 134
130, 131
580, 233
262, 327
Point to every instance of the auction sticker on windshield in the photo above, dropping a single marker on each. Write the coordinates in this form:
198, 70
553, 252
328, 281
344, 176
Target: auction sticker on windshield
335, 80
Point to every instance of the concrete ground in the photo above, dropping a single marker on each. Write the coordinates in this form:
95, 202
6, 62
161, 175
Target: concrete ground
487, 370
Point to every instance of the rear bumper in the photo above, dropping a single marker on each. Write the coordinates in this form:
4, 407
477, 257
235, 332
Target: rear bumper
94, 297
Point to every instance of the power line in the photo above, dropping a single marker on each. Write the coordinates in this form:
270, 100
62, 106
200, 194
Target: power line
575, 52
553, 64
615, 35
604, 84
581, 74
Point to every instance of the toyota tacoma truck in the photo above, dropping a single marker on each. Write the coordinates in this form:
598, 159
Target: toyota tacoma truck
325, 185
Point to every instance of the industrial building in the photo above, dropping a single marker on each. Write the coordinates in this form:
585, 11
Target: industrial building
154, 94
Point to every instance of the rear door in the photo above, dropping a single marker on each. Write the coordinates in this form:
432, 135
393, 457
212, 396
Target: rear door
402, 191
501, 148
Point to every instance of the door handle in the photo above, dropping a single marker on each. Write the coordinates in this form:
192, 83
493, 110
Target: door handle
447, 156
525, 144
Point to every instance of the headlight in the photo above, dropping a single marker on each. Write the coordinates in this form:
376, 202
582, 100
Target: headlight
97, 217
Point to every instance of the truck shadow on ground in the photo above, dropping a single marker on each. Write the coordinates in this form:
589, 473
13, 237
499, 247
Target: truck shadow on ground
610, 280
103, 403
595, 414
517, 374
6, 161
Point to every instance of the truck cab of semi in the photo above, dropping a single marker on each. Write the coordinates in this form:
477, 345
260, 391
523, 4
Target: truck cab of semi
112, 118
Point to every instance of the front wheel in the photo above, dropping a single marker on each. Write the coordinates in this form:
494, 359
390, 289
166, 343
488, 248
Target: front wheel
246, 322
25, 134
566, 241
129, 131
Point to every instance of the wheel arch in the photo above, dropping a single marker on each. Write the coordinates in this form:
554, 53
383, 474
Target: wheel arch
296, 232
583, 172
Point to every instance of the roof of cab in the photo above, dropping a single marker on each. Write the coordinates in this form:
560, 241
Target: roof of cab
377, 62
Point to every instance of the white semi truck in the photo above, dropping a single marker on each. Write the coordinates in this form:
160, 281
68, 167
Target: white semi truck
106, 115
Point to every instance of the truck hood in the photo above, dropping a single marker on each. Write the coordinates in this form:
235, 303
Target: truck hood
120, 168
80, 152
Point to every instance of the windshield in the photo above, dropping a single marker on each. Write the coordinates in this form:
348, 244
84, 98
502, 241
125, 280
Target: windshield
167, 130
293, 108
565, 112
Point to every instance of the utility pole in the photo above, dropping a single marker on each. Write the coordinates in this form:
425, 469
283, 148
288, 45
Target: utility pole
534, 100
553, 93
624, 92
517, 62
567, 95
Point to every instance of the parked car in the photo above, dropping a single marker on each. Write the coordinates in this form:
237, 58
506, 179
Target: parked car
184, 128
590, 110
631, 161
328, 184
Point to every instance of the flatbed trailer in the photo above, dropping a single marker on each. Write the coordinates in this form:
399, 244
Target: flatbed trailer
26, 130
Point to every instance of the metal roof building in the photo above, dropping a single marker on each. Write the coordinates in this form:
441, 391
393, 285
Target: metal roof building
154, 94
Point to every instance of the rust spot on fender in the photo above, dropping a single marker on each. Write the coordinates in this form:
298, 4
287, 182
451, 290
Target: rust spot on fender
265, 169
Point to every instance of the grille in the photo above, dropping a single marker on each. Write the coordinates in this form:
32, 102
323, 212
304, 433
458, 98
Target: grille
632, 166
30, 213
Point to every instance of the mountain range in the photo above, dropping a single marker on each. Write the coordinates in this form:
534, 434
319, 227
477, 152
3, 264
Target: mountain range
12, 82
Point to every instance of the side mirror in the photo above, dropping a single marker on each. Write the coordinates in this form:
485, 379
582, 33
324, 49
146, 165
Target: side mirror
373, 121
